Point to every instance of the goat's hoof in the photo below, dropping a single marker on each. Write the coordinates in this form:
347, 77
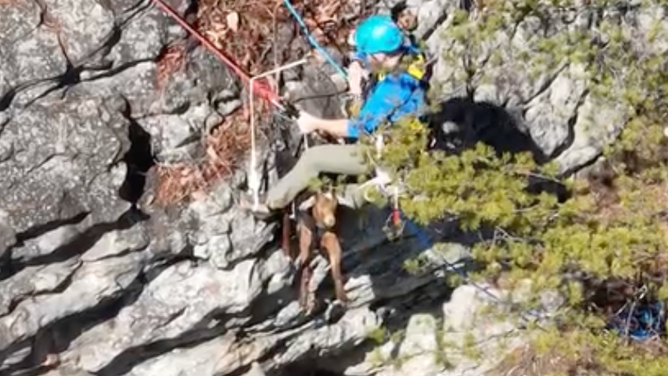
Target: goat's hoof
305, 310
307, 305
51, 360
308, 309
335, 311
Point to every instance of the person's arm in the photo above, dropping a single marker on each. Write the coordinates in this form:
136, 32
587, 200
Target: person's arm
383, 101
337, 127
356, 72
355, 78
386, 97
309, 123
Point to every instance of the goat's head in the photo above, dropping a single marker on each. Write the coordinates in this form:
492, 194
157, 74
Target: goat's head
324, 208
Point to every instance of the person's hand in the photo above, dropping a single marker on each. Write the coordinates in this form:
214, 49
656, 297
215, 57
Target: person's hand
307, 123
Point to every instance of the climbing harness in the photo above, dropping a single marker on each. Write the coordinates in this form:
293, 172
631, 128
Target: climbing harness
393, 226
416, 68
382, 178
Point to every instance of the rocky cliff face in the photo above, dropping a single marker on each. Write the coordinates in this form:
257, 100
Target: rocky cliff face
97, 279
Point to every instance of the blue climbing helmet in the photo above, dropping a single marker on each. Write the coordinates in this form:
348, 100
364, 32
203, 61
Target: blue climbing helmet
377, 34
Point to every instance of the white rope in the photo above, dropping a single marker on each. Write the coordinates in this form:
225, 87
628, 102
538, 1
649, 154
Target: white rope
293, 207
379, 143
381, 181
382, 178
253, 175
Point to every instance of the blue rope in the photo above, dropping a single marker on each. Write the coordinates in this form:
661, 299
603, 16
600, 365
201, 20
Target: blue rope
422, 236
313, 42
425, 241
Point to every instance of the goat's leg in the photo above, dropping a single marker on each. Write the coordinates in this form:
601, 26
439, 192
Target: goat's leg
330, 243
306, 301
305, 235
286, 236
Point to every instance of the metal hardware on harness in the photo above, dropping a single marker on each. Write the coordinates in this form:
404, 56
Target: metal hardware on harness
290, 110
394, 226
352, 104
382, 178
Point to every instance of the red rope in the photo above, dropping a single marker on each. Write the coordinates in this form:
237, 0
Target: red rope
261, 88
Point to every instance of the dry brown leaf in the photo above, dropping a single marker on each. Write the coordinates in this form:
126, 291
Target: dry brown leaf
233, 21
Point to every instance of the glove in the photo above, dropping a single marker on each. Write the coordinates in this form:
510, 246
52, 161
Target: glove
307, 123
353, 106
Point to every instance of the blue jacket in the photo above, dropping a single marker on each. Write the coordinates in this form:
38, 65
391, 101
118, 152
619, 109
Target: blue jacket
391, 98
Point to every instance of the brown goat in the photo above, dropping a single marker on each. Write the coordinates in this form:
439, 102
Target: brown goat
316, 216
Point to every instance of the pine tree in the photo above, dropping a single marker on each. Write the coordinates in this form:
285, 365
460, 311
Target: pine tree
535, 236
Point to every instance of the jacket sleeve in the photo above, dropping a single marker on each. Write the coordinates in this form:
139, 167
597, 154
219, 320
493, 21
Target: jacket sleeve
384, 100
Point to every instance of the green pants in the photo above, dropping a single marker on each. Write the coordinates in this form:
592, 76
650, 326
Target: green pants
333, 159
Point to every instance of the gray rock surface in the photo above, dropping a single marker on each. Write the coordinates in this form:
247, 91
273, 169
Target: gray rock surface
551, 105
100, 278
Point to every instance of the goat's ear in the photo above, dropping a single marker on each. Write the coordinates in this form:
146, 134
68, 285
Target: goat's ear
306, 204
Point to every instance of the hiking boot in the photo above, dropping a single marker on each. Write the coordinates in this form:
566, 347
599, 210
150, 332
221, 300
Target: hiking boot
260, 211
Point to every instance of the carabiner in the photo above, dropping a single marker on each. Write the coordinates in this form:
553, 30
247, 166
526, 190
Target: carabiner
290, 110
394, 226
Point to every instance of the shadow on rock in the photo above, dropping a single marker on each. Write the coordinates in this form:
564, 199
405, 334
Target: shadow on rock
83, 242
56, 337
460, 123
139, 160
